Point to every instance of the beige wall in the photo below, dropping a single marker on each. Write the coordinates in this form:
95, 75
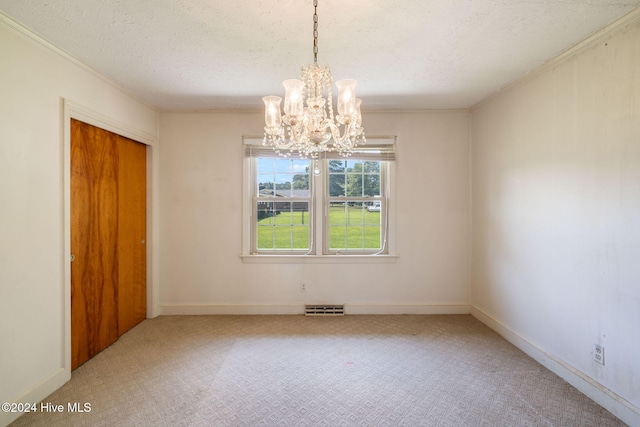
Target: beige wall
556, 215
33, 82
556, 201
201, 205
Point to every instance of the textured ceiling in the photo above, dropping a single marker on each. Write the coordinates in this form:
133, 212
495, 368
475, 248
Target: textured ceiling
405, 54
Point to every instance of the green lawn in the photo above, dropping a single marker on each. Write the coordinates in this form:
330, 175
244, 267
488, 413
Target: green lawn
349, 228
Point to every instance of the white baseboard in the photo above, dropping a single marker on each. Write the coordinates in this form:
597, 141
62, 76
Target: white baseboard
406, 309
176, 309
37, 394
606, 398
229, 309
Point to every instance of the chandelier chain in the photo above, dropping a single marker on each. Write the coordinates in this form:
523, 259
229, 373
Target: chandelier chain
308, 126
315, 31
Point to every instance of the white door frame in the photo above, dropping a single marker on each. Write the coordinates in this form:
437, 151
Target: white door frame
76, 111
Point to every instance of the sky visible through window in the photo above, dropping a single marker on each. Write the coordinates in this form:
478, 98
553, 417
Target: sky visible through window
280, 170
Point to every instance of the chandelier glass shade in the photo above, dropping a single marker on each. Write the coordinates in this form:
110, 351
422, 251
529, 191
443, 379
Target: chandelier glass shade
308, 126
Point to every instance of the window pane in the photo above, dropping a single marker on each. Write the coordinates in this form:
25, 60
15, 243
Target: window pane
265, 239
355, 214
265, 165
371, 185
337, 185
283, 185
300, 166
372, 167
282, 225
338, 213
337, 166
354, 185
265, 211
282, 237
371, 216
266, 185
300, 237
354, 237
300, 178
372, 237
283, 165
283, 177
337, 237
300, 213
354, 225
354, 178
353, 164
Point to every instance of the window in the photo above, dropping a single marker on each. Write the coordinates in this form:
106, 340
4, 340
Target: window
355, 217
329, 206
281, 205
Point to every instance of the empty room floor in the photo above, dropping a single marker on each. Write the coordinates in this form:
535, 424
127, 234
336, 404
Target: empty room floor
404, 370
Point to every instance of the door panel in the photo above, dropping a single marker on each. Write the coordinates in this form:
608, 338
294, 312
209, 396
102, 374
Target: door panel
94, 233
108, 238
132, 254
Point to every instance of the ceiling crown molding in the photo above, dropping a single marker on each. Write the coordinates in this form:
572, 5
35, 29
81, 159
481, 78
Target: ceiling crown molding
12, 25
593, 40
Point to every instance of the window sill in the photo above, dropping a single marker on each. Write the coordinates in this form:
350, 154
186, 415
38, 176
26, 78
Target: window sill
319, 259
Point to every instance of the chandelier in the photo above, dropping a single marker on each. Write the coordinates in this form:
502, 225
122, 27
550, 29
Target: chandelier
313, 129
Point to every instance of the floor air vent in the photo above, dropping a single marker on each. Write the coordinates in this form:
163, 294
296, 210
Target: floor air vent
324, 310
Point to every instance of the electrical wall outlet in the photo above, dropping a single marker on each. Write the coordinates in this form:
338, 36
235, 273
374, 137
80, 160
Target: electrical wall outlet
303, 287
598, 353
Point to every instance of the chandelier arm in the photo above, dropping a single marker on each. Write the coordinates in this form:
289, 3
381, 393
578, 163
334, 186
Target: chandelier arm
339, 137
295, 134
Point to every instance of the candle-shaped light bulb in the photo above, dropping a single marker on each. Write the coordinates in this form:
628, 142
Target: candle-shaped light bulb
346, 97
272, 116
293, 100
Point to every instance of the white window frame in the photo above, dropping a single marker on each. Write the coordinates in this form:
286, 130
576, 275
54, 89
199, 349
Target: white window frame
254, 224
318, 210
382, 199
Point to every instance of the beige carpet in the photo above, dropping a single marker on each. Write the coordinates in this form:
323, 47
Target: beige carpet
302, 371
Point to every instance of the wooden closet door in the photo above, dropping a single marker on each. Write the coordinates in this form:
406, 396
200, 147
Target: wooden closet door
132, 253
108, 238
94, 238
